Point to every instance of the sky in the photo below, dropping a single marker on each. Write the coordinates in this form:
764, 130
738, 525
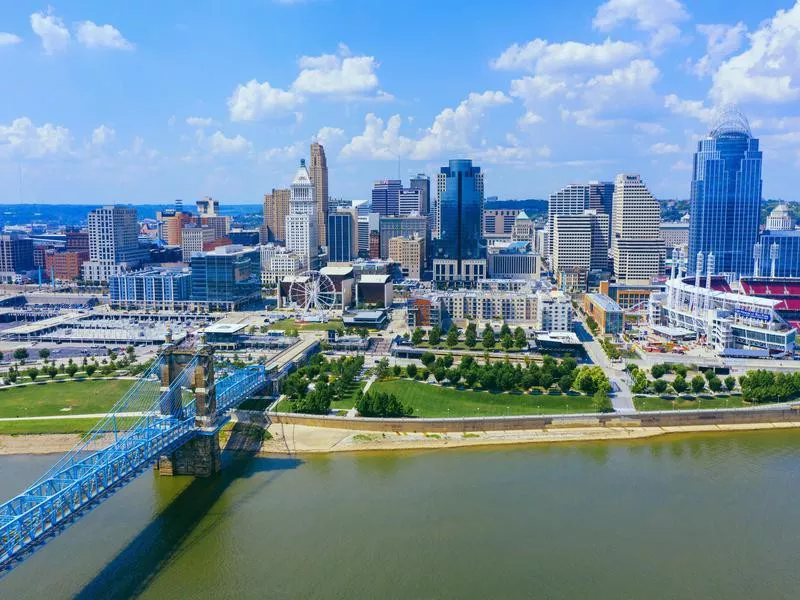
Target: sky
149, 101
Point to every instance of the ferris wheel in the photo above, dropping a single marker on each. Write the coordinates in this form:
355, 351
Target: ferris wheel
313, 293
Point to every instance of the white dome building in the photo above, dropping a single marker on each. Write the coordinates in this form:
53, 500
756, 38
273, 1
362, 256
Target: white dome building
780, 219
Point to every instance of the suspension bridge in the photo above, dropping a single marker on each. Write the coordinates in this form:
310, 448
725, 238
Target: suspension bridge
170, 417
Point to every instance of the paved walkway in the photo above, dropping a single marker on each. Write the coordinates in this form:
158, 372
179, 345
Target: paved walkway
621, 398
70, 416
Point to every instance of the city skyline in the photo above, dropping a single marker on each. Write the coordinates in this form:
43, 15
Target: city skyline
531, 103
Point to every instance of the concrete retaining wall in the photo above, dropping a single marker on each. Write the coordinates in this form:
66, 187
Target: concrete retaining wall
732, 416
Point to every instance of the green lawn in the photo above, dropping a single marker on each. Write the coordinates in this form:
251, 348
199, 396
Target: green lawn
81, 397
437, 401
24, 427
646, 403
287, 324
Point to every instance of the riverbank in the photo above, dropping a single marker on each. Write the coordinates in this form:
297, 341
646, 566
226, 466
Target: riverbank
303, 439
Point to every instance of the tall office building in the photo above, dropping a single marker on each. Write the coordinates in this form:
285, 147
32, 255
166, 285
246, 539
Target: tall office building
367, 224
208, 207
726, 195
113, 243
580, 245
571, 200
171, 222
276, 207
319, 177
301, 222
16, 254
410, 226
636, 243
459, 253
410, 201
601, 199
422, 183
386, 197
342, 235
227, 277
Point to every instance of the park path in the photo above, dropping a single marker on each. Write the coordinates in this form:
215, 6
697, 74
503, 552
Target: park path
78, 416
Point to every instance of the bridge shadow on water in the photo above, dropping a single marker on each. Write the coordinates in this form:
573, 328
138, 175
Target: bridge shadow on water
131, 571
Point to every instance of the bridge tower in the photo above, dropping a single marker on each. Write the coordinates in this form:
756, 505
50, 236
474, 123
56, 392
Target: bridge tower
200, 456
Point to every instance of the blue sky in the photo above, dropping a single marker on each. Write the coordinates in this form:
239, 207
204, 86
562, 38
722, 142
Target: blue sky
149, 101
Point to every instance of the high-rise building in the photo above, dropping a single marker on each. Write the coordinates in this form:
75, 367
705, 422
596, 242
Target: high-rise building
113, 243
342, 236
77, 240
67, 265
195, 239
226, 278
409, 202
171, 223
422, 183
410, 226
726, 195
409, 254
780, 254
601, 199
208, 207
301, 222
636, 243
276, 207
319, 178
362, 207
780, 219
386, 197
571, 200
459, 253
16, 254
579, 246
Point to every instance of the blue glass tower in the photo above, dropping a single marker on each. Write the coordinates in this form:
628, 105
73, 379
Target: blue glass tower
726, 195
340, 237
460, 208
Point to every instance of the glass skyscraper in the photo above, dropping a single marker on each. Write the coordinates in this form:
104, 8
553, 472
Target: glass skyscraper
459, 246
726, 196
341, 230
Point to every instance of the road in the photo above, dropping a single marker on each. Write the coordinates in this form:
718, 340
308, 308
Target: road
622, 398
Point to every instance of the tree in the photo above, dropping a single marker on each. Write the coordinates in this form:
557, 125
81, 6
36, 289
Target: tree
471, 335
33, 373
382, 368
397, 370
435, 335
411, 370
565, 383
452, 337
381, 405
428, 358
680, 385
417, 336
52, 371
602, 403
730, 382
520, 338
505, 330
660, 386
507, 341
488, 337
20, 354
453, 376
44, 353
447, 361
658, 371
715, 384
709, 373
698, 384
72, 368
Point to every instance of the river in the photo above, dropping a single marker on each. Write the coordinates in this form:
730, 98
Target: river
697, 516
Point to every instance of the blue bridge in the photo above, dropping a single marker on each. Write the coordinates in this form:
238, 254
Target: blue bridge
170, 417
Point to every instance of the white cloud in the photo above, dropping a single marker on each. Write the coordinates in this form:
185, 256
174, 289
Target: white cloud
722, 41
689, 108
218, 143
681, 165
588, 117
9, 39
103, 135
451, 131
92, 35
254, 100
336, 74
329, 135
543, 57
22, 139
199, 121
529, 118
289, 152
623, 87
650, 128
664, 148
51, 30
538, 87
656, 17
769, 69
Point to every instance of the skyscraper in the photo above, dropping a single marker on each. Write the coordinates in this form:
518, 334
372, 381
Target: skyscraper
386, 197
113, 243
410, 201
422, 183
580, 245
571, 200
636, 242
276, 207
301, 222
726, 195
342, 235
319, 177
459, 254
601, 199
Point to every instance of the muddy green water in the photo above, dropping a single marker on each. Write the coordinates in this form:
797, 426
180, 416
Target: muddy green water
705, 516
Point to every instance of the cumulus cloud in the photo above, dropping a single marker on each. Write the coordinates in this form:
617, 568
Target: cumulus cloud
722, 41
51, 30
768, 70
540, 56
92, 35
333, 74
328, 136
689, 108
658, 18
664, 148
529, 118
218, 143
23, 139
9, 39
288, 152
199, 121
103, 135
254, 100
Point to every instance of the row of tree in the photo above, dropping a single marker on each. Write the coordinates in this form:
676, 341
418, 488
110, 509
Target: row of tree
489, 339
765, 386
332, 380
680, 385
381, 405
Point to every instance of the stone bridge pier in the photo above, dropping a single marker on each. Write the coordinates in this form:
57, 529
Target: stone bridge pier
200, 456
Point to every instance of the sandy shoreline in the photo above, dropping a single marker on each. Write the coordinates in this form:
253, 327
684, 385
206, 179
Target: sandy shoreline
301, 439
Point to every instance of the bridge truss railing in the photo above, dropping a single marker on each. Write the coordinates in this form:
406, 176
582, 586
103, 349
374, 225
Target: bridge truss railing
118, 448
238, 386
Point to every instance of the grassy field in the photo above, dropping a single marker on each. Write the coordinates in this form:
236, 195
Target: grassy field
436, 401
24, 427
721, 401
80, 397
287, 324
